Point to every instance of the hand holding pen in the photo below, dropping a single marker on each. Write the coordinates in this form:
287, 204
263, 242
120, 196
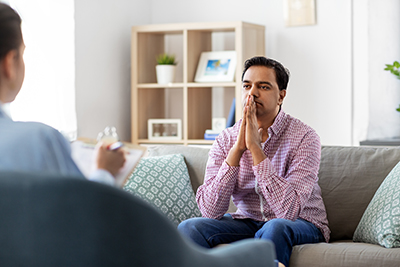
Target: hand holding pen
111, 157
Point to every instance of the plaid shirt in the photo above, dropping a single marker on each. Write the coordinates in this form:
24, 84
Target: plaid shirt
284, 185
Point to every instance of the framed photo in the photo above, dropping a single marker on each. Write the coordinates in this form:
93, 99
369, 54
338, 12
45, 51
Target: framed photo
216, 67
299, 12
164, 129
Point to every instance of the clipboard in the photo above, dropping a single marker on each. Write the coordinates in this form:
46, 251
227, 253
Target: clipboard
83, 153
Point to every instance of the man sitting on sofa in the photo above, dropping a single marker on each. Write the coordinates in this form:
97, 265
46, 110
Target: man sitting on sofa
268, 162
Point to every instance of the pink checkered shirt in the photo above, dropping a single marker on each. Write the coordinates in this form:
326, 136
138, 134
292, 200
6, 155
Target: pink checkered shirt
284, 185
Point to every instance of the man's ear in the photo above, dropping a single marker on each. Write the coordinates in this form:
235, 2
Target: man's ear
282, 95
8, 64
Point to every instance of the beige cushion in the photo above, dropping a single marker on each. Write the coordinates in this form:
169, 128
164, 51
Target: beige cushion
349, 178
344, 254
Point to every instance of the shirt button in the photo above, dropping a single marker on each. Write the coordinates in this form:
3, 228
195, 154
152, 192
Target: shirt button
259, 172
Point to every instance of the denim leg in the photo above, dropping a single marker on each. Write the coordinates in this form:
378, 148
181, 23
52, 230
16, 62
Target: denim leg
285, 234
211, 232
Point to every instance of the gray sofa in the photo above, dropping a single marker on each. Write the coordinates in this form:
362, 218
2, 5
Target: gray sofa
349, 178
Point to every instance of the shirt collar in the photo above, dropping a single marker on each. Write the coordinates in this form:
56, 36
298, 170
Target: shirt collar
276, 127
3, 114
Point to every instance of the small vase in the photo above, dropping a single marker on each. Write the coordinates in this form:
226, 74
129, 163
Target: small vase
165, 73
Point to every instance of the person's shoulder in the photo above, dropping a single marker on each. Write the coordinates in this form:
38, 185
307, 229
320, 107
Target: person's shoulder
228, 136
297, 125
37, 129
34, 126
301, 132
231, 131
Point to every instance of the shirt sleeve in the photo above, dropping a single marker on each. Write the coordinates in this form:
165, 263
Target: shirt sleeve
56, 152
60, 151
214, 195
102, 176
288, 195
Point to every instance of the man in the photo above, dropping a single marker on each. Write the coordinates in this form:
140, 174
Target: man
268, 162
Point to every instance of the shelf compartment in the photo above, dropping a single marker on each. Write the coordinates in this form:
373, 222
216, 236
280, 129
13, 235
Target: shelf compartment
149, 45
158, 103
199, 41
199, 111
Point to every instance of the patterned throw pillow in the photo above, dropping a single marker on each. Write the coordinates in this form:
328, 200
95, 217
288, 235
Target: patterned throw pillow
380, 223
164, 182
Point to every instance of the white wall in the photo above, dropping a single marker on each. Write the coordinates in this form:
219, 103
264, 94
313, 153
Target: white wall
319, 57
102, 30
376, 42
337, 86
383, 48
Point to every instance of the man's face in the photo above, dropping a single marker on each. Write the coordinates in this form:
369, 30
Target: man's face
260, 82
20, 68
14, 66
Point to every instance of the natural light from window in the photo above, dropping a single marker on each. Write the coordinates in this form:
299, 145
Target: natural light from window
48, 92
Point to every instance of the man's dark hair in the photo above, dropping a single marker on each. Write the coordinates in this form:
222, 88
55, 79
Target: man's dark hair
281, 73
10, 30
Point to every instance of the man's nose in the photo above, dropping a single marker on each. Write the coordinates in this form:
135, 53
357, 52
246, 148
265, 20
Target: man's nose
253, 91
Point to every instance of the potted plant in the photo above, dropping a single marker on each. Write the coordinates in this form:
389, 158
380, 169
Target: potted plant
395, 69
165, 68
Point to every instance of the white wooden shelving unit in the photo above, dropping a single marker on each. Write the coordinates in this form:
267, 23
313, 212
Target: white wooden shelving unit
191, 101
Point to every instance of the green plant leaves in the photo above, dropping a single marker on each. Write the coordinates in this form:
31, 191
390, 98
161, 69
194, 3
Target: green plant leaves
165, 59
394, 69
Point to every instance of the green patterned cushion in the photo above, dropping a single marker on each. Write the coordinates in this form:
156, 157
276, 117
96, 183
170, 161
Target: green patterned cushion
164, 182
380, 223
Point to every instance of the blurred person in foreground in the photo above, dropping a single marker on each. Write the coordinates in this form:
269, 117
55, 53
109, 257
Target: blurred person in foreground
32, 146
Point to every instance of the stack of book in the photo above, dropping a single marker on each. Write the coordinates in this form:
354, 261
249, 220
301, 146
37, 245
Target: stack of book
211, 135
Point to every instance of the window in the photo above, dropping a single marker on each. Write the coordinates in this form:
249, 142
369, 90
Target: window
48, 92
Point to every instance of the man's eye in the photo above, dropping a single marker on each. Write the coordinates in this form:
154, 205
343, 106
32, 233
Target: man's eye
246, 86
264, 87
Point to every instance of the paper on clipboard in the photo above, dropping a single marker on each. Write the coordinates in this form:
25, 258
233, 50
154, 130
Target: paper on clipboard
83, 153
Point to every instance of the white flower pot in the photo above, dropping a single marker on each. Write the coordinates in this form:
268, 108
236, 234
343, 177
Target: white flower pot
165, 73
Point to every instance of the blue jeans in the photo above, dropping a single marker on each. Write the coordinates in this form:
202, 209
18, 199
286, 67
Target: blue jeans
283, 233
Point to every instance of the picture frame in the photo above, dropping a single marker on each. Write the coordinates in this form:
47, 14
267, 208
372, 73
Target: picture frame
164, 129
299, 12
216, 67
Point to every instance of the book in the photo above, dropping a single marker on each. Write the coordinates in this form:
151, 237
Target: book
231, 117
84, 155
210, 136
209, 131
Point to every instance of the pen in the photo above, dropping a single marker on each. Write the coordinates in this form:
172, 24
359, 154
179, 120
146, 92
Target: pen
115, 146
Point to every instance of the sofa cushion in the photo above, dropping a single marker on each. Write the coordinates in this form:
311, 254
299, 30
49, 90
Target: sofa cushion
343, 254
195, 158
380, 223
164, 182
196, 161
349, 178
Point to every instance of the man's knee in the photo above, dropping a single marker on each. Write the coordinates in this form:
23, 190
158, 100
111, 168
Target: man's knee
193, 229
274, 228
188, 226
